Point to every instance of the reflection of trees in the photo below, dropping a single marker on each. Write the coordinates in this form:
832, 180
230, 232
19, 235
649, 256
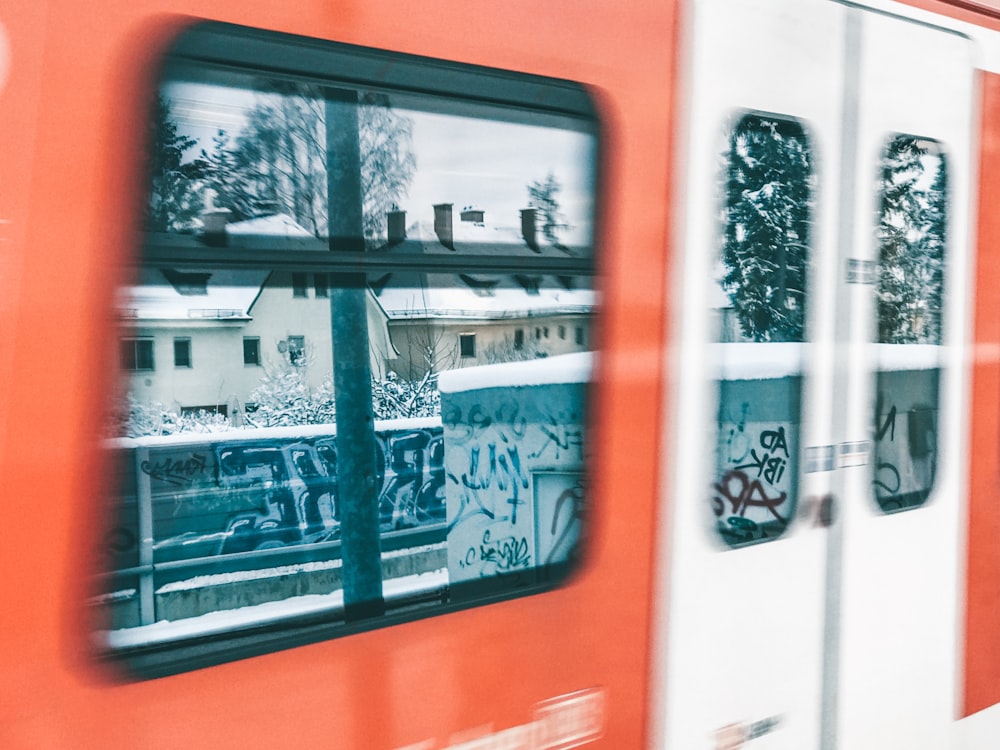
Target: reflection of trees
507, 350
428, 348
277, 163
174, 200
911, 237
542, 194
387, 160
768, 194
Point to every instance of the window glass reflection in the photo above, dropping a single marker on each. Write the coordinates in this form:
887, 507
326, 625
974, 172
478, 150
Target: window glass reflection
290, 421
912, 235
759, 309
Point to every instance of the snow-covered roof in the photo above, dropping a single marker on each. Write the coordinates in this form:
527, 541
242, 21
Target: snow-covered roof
485, 238
194, 294
479, 295
275, 224
260, 232
459, 301
179, 294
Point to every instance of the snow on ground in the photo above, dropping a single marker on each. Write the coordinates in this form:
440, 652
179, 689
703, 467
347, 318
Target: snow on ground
220, 579
262, 614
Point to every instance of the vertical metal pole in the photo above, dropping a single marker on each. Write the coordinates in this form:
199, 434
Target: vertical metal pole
352, 368
144, 511
830, 686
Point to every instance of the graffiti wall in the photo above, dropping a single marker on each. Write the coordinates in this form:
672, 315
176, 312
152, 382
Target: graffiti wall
238, 491
514, 457
905, 454
753, 492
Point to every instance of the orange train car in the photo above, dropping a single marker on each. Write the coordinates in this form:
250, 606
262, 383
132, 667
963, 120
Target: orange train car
461, 376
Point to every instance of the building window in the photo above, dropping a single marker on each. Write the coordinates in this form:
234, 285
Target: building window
251, 350
562, 332
321, 283
467, 344
137, 354
182, 352
580, 339
297, 350
519, 339
300, 282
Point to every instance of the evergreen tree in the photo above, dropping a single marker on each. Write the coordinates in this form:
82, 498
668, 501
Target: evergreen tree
911, 237
543, 195
175, 184
768, 219
935, 244
222, 175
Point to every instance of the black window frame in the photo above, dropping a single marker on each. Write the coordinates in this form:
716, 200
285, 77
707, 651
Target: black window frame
135, 351
221, 48
774, 417
467, 345
183, 358
321, 285
255, 360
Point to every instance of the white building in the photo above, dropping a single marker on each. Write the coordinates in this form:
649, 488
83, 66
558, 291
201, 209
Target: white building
202, 340
444, 321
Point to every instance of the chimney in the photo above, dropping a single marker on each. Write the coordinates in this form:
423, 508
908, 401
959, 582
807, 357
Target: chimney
396, 222
528, 229
442, 225
214, 220
214, 227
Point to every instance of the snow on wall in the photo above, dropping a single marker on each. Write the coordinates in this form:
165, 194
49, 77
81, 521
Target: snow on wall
765, 360
566, 368
267, 433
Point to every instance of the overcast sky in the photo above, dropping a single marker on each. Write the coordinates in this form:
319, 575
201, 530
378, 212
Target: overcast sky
460, 160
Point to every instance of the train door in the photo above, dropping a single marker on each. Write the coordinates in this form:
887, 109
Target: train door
808, 582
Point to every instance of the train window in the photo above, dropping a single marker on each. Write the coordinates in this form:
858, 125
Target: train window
377, 462
911, 235
759, 312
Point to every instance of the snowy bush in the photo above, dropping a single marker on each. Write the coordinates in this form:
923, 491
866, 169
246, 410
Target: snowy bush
284, 398
394, 397
138, 419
